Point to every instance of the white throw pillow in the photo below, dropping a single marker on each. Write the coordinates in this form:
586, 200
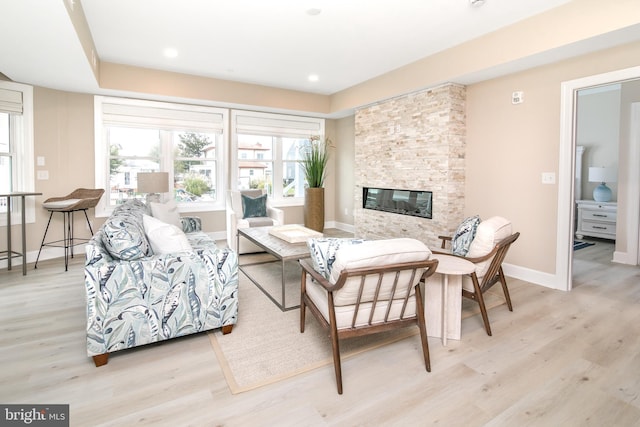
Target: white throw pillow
166, 212
164, 238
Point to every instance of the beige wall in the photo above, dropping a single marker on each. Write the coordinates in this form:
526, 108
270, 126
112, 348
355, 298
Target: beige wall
63, 135
202, 89
509, 146
344, 170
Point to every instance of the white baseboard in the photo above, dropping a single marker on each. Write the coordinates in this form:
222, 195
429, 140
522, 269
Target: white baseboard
532, 276
340, 226
517, 272
623, 258
47, 253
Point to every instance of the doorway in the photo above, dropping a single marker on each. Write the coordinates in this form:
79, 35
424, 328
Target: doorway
566, 176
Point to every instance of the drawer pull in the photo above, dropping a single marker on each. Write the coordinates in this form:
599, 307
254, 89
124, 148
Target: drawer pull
599, 228
600, 215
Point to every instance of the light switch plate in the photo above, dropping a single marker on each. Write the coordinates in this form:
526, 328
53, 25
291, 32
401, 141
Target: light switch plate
40, 160
548, 177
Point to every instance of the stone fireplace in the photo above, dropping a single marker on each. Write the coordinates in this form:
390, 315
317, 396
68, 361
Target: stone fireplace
414, 142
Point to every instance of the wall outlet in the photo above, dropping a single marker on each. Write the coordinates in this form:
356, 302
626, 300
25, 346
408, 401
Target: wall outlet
43, 175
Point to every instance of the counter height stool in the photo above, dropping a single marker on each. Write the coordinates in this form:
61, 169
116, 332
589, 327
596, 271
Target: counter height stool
79, 200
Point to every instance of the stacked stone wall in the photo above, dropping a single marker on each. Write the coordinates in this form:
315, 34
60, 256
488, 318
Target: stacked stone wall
412, 142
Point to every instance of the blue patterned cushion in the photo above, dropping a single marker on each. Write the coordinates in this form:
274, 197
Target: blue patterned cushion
124, 236
464, 235
253, 207
191, 224
323, 252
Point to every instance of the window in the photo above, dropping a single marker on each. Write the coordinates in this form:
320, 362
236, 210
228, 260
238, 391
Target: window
186, 141
16, 145
267, 150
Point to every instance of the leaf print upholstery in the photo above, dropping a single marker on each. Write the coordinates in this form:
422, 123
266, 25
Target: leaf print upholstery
132, 302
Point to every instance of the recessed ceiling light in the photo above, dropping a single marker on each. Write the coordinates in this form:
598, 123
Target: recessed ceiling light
476, 3
170, 52
313, 77
314, 11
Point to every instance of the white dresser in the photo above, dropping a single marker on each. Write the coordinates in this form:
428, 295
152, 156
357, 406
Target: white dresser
596, 219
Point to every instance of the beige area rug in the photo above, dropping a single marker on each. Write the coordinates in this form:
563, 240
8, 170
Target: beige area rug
269, 277
266, 345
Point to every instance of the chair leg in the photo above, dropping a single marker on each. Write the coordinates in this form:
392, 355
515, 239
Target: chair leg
88, 222
303, 306
422, 324
335, 344
480, 300
503, 282
46, 230
66, 219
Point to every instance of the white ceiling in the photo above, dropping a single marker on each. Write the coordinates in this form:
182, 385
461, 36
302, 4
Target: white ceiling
277, 43
274, 43
269, 42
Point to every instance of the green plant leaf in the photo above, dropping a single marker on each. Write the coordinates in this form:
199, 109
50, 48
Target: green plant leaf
314, 161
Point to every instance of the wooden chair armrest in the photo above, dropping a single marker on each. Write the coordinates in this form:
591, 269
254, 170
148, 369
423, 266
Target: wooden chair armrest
308, 267
473, 260
444, 239
437, 252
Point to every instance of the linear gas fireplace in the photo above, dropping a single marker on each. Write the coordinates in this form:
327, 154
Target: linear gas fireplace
403, 202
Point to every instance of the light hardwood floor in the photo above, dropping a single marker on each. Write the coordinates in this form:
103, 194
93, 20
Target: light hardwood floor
560, 359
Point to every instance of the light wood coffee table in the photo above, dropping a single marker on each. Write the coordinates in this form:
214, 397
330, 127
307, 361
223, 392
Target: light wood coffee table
282, 251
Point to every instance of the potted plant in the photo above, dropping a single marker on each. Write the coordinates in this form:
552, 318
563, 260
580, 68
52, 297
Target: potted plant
315, 157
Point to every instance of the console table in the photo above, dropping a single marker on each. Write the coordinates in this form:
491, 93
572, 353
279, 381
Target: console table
9, 253
596, 219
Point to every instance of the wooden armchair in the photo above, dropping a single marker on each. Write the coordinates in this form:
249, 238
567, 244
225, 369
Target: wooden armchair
372, 287
487, 251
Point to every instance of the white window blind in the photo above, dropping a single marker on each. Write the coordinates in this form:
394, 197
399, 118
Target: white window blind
276, 125
161, 115
10, 101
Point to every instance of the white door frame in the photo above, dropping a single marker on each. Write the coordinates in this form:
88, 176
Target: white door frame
566, 172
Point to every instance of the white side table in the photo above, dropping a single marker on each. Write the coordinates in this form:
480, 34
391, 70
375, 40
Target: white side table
443, 297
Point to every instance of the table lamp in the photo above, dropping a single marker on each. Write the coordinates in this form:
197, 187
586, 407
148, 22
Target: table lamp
602, 193
153, 183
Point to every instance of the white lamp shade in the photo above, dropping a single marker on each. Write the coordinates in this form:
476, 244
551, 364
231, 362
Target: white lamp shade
601, 174
153, 182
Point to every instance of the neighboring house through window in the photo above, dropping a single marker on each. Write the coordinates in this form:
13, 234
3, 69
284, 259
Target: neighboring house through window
268, 148
16, 146
191, 143
187, 141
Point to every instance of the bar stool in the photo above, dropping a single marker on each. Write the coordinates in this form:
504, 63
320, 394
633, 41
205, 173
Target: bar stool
80, 199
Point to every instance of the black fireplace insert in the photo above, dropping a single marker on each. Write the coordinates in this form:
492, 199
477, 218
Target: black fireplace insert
403, 202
